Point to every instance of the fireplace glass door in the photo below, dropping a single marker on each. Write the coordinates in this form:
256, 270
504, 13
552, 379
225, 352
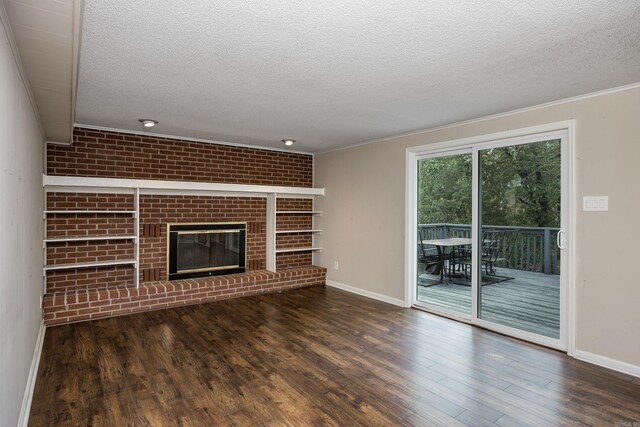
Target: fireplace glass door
206, 249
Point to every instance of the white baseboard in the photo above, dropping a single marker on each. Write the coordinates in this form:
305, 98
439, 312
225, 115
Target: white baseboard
31, 379
365, 293
607, 362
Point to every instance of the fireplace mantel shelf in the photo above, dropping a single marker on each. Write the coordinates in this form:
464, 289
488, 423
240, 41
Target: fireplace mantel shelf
150, 186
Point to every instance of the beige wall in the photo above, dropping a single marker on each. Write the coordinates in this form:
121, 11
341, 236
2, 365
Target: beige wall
21, 197
364, 214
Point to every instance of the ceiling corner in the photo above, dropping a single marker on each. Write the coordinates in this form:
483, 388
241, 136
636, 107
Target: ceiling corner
44, 38
6, 26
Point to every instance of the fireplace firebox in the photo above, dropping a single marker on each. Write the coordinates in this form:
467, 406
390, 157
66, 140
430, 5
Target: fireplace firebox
198, 250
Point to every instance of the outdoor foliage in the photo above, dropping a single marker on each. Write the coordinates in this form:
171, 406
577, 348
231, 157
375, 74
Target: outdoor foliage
520, 186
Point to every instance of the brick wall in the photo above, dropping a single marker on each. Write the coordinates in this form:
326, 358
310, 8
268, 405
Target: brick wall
94, 251
104, 224
121, 155
184, 209
80, 294
89, 278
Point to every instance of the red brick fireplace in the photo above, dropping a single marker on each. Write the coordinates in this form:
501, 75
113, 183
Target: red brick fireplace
91, 292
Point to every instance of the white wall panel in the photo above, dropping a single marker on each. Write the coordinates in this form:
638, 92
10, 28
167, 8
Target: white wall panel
21, 157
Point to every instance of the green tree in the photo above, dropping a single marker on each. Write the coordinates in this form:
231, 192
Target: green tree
444, 190
520, 186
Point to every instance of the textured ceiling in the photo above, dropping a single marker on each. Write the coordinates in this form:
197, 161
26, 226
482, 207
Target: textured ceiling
335, 73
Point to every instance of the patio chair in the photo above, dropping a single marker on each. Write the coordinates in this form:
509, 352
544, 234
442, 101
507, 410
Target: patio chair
497, 246
500, 250
462, 259
428, 254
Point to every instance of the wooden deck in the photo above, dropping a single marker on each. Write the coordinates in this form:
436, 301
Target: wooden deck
529, 301
312, 357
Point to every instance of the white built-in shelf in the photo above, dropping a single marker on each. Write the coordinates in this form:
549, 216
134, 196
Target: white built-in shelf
305, 249
89, 238
152, 186
90, 212
138, 187
300, 212
89, 264
56, 184
297, 231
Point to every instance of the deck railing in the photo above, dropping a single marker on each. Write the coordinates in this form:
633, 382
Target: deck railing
535, 248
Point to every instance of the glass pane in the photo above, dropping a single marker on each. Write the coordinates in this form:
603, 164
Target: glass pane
444, 233
520, 219
207, 250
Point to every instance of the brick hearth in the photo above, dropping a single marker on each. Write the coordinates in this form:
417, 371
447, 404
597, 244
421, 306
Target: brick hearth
78, 305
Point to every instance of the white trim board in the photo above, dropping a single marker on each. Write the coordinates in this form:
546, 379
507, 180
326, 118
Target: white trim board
365, 293
149, 186
23, 420
513, 135
607, 362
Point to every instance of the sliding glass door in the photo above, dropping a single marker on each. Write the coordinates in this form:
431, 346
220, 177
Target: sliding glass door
519, 216
444, 231
490, 232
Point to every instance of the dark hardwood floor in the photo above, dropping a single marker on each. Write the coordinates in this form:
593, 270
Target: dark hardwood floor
316, 356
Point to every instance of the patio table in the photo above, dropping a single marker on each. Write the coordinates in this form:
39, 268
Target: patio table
441, 245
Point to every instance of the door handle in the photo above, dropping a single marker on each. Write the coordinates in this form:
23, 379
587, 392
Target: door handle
561, 240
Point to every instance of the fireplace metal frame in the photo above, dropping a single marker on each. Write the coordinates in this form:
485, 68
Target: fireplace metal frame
174, 229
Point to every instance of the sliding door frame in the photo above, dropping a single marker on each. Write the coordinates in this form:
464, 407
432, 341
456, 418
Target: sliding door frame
564, 130
457, 151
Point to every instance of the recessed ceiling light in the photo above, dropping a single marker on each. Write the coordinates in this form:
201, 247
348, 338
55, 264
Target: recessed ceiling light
148, 123
288, 142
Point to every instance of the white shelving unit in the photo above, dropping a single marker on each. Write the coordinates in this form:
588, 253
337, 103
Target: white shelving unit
304, 249
89, 212
91, 238
300, 212
272, 232
138, 187
297, 231
90, 264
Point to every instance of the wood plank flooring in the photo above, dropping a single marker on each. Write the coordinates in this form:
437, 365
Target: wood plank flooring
315, 356
530, 301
